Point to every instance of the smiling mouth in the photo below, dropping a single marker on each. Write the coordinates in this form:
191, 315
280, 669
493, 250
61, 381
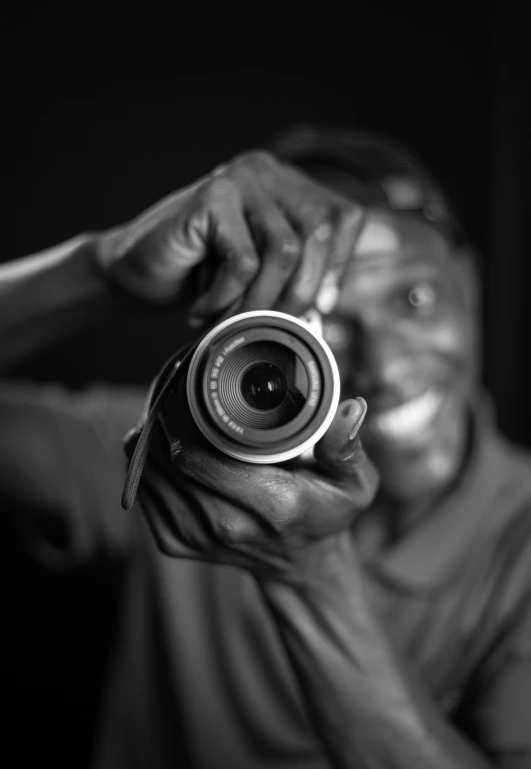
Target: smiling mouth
408, 421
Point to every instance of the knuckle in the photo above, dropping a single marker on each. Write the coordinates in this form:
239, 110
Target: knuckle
300, 298
365, 494
355, 457
220, 188
219, 170
243, 263
248, 266
188, 461
313, 216
286, 251
258, 160
349, 217
365, 482
231, 530
285, 516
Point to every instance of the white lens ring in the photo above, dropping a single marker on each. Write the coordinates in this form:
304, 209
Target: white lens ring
239, 452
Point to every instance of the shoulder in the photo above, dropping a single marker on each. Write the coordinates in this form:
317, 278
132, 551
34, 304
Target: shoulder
495, 571
99, 405
506, 544
506, 473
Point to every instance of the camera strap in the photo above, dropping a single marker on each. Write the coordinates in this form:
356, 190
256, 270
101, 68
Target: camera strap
161, 389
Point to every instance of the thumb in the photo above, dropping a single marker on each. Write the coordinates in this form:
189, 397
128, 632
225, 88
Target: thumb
151, 255
340, 453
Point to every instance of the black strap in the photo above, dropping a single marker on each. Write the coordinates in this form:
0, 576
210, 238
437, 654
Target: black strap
163, 385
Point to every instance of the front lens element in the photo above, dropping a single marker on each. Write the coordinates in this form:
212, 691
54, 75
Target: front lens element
264, 386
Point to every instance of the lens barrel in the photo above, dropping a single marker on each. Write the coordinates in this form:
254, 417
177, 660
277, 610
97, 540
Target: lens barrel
262, 387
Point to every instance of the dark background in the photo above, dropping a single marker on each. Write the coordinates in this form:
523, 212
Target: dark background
106, 111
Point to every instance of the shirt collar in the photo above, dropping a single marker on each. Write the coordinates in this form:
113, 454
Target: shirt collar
430, 554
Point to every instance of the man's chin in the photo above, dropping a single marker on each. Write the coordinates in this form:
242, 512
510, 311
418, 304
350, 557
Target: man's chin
415, 474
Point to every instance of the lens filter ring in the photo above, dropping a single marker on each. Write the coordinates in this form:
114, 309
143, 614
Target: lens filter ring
295, 381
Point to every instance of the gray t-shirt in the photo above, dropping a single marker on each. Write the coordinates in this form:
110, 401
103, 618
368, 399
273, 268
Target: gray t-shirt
199, 676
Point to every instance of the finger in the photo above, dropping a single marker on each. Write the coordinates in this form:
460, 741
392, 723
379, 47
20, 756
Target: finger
300, 292
224, 521
222, 531
264, 488
346, 235
236, 259
341, 455
330, 225
327, 252
264, 503
202, 526
340, 444
311, 211
280, 251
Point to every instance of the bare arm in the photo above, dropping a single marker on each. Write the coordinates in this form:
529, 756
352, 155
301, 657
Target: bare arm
50, 295
299, 232
368, 707
62, 469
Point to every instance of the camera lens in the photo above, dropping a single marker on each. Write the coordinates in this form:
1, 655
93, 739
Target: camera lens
264, 386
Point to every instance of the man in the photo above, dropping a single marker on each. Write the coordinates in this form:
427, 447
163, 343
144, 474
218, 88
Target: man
293, 615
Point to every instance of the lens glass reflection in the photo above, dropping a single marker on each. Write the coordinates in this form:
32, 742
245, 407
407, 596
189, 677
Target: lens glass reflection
264, 386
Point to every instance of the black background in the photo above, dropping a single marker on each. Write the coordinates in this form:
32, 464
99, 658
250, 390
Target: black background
107, 110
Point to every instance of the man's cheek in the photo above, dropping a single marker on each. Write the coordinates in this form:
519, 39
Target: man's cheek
453, 340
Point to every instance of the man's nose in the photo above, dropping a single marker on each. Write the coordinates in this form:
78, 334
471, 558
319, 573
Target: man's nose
381, 358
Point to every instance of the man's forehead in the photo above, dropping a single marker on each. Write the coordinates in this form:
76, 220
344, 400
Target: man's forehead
388, 234
387, 243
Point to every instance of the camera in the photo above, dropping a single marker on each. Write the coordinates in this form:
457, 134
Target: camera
262, 386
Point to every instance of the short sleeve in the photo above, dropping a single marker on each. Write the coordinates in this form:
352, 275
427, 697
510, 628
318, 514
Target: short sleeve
63, 467
497, 707
503, 713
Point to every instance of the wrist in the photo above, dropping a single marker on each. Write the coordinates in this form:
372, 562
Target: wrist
122, 258
328, 567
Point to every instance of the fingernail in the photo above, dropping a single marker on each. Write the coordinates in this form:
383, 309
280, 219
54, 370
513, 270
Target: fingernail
358, 413
322, 233
328, 293
326, 299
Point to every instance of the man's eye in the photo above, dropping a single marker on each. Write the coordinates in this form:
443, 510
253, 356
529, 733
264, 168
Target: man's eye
336, 334
422, 297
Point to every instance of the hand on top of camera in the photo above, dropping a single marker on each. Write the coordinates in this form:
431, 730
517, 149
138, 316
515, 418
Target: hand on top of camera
263, 234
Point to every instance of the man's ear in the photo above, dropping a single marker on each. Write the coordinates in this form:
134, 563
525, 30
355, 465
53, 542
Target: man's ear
468, 260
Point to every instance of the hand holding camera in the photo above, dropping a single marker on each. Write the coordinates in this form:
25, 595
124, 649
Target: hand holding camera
262, 235
242, 406
234, 420
259, 516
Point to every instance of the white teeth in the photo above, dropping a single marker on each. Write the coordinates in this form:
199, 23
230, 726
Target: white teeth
410, 418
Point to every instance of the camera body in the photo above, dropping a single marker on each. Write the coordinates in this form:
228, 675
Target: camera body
263, 386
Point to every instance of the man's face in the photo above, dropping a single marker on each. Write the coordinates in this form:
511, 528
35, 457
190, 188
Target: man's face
403, 333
